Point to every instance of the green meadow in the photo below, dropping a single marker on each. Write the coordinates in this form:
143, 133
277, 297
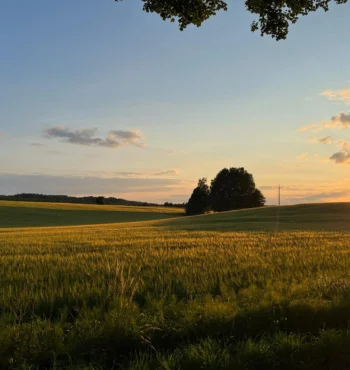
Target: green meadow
323, 216
262, 288
31, 214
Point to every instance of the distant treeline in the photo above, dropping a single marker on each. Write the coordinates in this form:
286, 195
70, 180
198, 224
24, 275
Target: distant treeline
175, 205
29, 197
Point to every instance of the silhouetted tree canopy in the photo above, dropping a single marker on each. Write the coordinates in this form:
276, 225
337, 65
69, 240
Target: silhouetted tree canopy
199, 201
234, 188
274, 17
258, 199
100, 200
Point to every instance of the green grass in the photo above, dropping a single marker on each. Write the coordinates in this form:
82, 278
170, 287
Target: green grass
324, 216
222, 291
32, 214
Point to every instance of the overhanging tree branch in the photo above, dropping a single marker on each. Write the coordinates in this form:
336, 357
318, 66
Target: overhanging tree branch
274, 16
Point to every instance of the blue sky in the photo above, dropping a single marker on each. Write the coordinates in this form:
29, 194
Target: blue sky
165, 107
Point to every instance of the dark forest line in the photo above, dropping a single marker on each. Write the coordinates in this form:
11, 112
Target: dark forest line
32, 197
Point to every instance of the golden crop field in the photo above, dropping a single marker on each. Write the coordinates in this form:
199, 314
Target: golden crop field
255, 289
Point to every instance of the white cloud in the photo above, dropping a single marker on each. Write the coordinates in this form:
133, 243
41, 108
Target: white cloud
88, 137
342, 95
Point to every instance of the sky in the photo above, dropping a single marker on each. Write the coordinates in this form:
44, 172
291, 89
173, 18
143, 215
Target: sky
101, 98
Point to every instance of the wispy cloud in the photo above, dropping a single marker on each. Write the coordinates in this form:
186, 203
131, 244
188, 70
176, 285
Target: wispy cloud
146, 174
343, 156
341, 120
340, 157
314, 127
342, 95
335, 191
127, 175
321, 197
39, 145
322, 140
166, 173
87, 137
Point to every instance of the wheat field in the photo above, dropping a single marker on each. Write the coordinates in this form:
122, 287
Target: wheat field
179, 293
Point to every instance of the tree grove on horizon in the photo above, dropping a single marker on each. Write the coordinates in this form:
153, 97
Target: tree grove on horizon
232, 188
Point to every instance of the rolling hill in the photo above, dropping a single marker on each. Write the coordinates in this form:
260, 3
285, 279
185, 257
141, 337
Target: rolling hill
32, 214
323, 216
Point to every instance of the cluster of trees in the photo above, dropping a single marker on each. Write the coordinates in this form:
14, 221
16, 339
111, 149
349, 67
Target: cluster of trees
100, 200
232, 188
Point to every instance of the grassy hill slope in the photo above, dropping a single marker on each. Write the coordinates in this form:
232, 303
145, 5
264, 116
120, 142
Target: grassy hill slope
30, 214
323, 216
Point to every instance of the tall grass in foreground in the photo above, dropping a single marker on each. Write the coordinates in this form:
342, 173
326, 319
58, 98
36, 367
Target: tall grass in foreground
141, 297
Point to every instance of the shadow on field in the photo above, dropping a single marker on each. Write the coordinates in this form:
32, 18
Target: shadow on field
113, 332
312, 217
257, 323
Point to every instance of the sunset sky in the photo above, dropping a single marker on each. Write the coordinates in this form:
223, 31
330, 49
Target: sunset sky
100, 98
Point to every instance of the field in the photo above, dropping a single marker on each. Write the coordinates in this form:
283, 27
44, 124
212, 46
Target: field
331, 217
252, 289
30, 214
